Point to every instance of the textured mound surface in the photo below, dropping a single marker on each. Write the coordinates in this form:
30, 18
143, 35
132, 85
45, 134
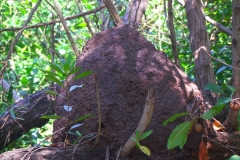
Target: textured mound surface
126, 65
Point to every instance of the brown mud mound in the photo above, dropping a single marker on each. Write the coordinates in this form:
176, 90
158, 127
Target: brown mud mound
127, 65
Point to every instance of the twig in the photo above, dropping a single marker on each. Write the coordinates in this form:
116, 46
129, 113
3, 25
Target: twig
143, 123
99, 110
113, 12
18, 36
56, 21
172, 34
107, 153
59, 12
84, 17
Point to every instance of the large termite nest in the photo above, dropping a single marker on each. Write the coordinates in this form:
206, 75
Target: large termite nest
127, 65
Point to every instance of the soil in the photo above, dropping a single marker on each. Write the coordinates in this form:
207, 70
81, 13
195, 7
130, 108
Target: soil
127, 65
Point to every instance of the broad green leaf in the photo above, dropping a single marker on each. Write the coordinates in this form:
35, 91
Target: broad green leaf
50, 73
208, 114
83, 74
228, 87
223, 100
52, 78
145, 150
174, 117
51, 92
145, 135
66, 68
75, 126
50, 117
178, 137
10, 94
214, 88
24, 80
84, 117
235, 157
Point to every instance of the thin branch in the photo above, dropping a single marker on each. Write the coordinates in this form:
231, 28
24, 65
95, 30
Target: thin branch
172, 34
55, 21
99, 110
18, 36
113, 12
219, 26
59, 12
85, 18
143, 123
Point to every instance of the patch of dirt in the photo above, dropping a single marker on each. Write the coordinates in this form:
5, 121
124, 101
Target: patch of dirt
127, 65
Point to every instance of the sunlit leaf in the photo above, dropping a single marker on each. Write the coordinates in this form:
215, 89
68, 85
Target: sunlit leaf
145, 150
208, 114
174, 117
24, 80
178, 137
51, 117
214, 88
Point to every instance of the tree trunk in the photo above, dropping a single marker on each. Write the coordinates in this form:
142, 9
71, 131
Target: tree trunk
28, 112
200, 47
134, 12
231, 122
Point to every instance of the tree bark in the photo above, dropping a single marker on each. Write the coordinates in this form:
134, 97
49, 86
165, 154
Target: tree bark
231, 123
200, 46
134, 12
28, 112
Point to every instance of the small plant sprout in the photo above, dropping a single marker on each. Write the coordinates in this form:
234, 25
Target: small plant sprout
138, 137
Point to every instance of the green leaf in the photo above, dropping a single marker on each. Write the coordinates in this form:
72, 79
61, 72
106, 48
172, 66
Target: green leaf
228, 87
74, 70
66, 68
52, 78
83, 74
174, 117
145, 150
214, 88
137, 134
223, 100
57, 68
10, 94
50, 117
24, 80
235, 157
51, 92
51, 73
145, 135
12, 114
84, 117
178, 137
208, 114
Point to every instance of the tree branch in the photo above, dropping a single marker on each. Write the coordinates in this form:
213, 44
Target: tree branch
56, 21
113, 12
143, 123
